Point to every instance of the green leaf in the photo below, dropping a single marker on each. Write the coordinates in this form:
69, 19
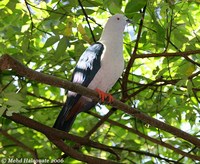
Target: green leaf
186, 68
13, 96
2, 110
25, 43
62, 45
114, 7
162, 72
50, 41
189, 86
91, 3
11, 5
181, 82
134, 6
36, 89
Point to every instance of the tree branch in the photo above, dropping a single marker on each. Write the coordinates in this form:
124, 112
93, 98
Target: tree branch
7, 62
75, 154
56, 137
165, 54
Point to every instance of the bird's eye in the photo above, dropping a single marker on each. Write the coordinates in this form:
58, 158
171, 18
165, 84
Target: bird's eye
118, 18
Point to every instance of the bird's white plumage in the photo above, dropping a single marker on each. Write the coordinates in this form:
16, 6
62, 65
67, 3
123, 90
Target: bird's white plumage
112, 62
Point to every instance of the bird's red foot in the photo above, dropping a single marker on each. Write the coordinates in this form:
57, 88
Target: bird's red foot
103, 96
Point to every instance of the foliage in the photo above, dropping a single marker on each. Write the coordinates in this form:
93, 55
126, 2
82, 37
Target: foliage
161, 78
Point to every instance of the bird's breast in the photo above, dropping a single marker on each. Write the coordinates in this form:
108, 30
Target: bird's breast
112, 65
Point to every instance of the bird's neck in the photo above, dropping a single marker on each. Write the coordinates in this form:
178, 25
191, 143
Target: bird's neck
112, 37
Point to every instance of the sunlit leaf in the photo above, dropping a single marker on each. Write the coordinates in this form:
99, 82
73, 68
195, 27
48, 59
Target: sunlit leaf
134, 6
2, 110
50, 41
62, 45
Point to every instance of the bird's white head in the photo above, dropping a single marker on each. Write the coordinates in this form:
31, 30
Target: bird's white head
119, 20
115, 26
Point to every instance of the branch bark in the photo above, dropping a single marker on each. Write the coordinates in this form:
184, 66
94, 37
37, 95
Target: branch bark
56, 137
7, 62
73, 153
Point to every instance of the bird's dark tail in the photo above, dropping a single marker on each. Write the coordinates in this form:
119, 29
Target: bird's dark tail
68, 114
62, 123
70, 110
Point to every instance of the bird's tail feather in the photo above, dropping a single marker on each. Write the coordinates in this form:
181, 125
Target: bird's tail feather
70, 110
67, 115
60, 122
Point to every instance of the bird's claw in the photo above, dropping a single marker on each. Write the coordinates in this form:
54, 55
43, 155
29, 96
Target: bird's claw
103, 96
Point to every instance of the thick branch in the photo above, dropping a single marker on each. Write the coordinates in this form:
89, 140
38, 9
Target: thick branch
56, 137
73, 153
7, 62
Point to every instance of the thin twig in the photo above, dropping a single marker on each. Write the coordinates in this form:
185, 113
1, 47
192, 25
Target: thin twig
86, 17
30, 15
133, 57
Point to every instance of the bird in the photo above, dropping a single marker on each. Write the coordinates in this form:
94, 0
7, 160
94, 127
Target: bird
98, 68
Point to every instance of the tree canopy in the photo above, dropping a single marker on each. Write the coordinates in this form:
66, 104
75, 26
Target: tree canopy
155, 117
